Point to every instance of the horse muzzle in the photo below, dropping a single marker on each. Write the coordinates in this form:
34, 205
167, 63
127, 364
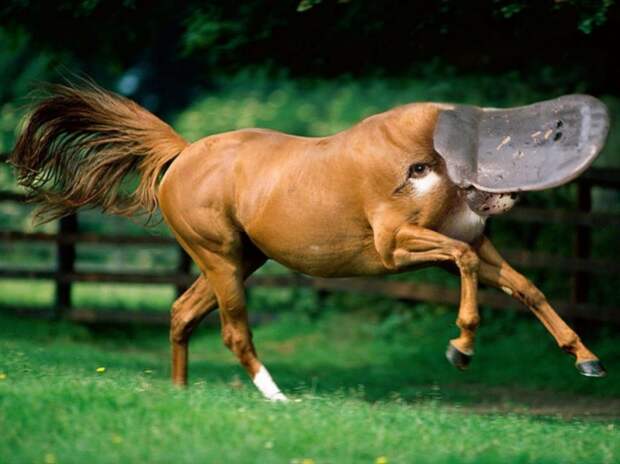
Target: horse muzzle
488, 203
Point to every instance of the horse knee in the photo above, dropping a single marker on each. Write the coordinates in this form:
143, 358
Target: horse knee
466, 259
535, 297
189, 309
228, 337
240, 344
470, 323
569, 342
183, 320
179, 332
236, 340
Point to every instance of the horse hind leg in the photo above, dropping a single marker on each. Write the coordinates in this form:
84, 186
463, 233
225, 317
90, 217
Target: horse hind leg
222, 286
187, 312
192, 307
227, 280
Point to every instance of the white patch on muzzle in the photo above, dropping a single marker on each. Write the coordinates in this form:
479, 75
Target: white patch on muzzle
488, 203
425, 185
504, 203
497, 203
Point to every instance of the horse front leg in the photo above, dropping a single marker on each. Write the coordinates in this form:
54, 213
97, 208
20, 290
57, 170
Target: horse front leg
415, 245
495, 271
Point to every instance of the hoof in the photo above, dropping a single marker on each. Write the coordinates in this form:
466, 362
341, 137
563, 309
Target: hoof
592, 368
457, 358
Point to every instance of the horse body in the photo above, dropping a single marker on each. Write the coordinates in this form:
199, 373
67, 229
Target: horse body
373, 199
269, 188
316, 205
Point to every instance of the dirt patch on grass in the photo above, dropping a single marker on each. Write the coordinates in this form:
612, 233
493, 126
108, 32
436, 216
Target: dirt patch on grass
536, 402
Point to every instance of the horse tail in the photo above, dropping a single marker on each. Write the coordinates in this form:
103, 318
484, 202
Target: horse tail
87, 147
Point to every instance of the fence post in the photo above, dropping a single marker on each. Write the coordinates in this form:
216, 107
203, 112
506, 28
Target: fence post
184, 266
582, 246
65, 261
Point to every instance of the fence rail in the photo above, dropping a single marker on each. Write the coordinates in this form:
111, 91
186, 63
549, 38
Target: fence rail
581, 265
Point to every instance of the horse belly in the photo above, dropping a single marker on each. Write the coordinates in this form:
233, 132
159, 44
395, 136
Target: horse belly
319, 253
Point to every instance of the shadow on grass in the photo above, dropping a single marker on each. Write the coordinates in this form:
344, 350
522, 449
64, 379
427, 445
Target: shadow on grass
308, 360
379, 384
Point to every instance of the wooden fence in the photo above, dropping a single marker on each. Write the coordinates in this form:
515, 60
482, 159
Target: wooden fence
581, 266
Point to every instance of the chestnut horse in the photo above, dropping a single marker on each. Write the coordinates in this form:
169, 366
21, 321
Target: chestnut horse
374, 199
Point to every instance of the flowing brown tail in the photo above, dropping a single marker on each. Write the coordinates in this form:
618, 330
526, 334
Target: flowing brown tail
84, 146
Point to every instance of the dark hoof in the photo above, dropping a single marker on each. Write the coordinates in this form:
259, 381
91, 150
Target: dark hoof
457, 358
591, 368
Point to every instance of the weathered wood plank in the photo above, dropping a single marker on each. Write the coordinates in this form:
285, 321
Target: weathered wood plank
65, 263
557, 216
93, 316
601, 177
6, 195
184, 267
119, 277
582, 246
86, 238
539, 260
412, 291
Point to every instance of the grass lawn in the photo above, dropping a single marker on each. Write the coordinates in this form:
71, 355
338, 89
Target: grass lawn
367, 391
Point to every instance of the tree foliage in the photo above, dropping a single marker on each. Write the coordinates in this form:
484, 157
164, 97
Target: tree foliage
325, 37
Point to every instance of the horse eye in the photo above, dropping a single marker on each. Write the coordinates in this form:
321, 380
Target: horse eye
418, 170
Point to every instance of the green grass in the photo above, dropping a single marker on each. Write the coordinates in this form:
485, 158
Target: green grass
28, 293
368, 387
132, 297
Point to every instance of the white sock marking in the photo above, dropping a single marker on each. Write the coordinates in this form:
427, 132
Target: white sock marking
426, 184
267, 386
